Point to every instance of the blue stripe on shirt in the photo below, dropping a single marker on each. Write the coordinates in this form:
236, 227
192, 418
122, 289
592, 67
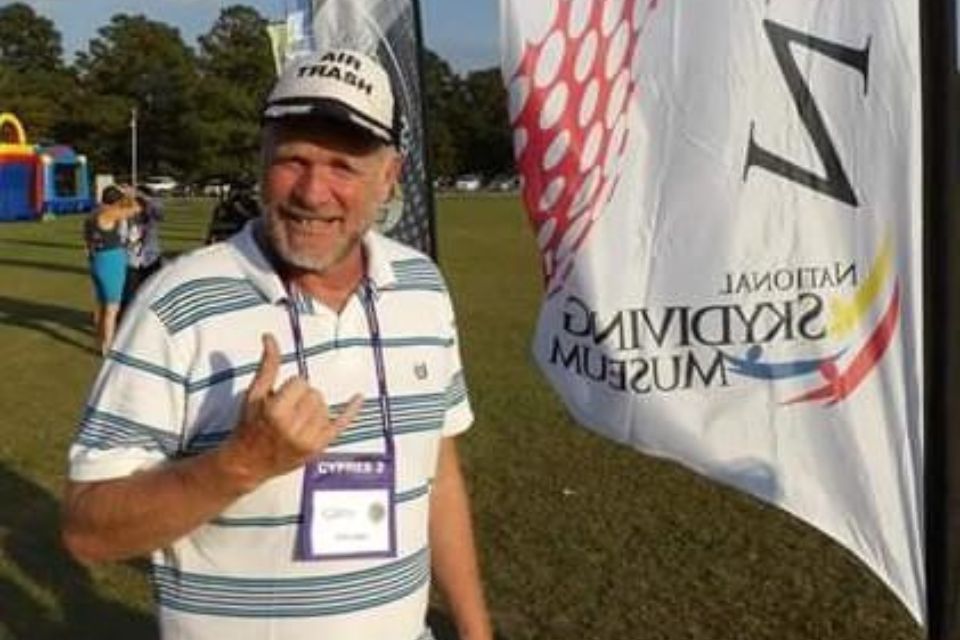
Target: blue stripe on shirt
291, 597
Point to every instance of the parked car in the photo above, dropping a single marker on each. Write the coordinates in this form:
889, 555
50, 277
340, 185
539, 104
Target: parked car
184, 190
161, 186
215, 188
468, 182
505, 183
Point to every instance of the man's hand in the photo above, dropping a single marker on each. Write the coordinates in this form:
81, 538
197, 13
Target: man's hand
281, 430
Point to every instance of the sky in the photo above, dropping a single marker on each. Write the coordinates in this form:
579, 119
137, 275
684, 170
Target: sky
463, 32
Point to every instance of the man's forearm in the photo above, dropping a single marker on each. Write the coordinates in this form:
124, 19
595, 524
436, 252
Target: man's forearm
277, 433
453, 553
132, 516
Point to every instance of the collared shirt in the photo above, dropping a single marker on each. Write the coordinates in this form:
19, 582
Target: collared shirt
173, 388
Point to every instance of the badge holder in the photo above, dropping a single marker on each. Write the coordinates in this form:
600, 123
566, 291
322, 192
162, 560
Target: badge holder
349, 509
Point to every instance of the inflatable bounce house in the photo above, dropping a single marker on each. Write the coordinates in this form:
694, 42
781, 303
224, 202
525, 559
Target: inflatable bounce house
19, 177
64, 180
36, 180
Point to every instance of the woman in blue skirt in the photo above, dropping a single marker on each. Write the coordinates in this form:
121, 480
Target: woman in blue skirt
104, 237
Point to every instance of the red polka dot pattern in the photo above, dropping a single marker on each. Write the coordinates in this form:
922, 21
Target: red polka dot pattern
569, 101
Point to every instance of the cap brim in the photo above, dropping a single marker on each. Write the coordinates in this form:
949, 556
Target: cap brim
327, 109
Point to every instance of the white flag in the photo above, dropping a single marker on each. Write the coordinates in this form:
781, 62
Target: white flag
727, 199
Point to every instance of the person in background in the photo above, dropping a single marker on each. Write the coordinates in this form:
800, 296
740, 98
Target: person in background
103, 234
277, 423
236, 209
144, 256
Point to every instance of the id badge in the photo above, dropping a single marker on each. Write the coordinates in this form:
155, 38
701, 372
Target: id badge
348, 508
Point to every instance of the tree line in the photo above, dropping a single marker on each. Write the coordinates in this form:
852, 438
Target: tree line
198, 106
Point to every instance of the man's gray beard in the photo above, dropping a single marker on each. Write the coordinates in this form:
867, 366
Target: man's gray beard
277, 238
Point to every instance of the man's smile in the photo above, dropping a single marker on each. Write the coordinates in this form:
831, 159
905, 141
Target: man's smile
311, 222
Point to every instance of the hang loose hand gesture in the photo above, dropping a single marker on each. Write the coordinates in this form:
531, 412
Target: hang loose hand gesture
281, 430
277, 432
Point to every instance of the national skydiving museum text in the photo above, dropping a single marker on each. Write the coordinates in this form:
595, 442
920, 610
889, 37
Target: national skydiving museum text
650, 350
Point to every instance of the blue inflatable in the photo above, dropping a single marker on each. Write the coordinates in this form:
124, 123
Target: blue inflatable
65, 180
39, 179
19, 172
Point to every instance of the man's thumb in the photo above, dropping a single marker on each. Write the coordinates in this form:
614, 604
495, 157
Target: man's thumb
266, 375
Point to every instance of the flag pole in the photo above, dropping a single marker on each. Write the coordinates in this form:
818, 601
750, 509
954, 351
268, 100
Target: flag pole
941, 318
431, 202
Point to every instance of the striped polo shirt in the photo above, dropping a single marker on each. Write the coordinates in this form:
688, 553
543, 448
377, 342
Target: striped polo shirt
173, 387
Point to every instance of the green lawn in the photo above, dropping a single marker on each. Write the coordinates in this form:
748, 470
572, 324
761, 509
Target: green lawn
580, 539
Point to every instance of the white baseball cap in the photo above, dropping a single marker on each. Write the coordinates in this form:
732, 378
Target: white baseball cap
340, 84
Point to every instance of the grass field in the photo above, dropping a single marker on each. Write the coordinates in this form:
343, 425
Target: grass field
581, 539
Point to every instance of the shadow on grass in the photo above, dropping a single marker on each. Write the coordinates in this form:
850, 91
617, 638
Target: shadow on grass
45, 244
47, 319
44, 266
188, 228
183, 237
443, 628
30, 544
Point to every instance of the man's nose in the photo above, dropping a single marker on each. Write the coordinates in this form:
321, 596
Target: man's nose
313, 188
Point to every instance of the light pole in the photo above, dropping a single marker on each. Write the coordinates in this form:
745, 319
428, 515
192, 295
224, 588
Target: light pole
133, 147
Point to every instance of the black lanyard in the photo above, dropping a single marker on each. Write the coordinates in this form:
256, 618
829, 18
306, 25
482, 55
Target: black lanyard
376, 344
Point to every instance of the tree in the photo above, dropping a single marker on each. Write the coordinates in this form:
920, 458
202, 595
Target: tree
98, 126
146, 64
488, 141
237, 71
237, 50
28, 42
33, 81
445, 107
40, 99
468, 128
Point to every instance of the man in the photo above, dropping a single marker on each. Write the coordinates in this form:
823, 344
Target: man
276, 423
144, 257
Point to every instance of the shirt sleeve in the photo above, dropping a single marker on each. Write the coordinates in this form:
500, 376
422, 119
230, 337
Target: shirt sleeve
459, 414
133, 418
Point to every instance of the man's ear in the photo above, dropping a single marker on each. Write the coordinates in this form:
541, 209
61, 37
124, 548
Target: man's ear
391, 174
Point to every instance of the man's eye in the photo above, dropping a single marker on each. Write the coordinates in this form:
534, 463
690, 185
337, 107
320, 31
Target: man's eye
288, 161
345, 168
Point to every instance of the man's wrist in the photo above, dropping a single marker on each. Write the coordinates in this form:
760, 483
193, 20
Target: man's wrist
480, 632
233, 478
476, 626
